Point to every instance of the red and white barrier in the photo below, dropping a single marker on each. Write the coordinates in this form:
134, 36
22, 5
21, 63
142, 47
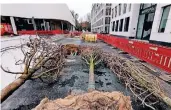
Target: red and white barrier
156, 55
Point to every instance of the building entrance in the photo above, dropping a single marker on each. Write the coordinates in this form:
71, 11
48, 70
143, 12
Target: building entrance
145, 21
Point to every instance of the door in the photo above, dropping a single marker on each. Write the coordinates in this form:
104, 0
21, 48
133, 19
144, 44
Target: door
147, 26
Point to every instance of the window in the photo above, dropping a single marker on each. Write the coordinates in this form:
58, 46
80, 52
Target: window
115, 11
164, 18
108, 11
29, 21
112, 13
126, 26
121, 25
119, 9
125, 6
116, 28
105, 28
107, 20
146, 5
130, 7
113, 27
108, 4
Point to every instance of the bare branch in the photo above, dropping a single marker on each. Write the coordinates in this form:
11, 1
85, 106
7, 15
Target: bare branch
7, 71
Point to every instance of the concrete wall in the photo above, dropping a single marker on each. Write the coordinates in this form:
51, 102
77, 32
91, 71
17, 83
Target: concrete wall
42, 11
133, 14
155, 35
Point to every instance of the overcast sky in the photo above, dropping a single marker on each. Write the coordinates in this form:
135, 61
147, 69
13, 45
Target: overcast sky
81, 8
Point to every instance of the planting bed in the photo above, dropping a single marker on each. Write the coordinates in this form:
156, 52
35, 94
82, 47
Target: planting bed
73, 78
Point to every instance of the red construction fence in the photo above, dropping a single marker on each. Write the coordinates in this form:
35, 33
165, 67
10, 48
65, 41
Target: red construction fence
5, 28
50, 32
157, 55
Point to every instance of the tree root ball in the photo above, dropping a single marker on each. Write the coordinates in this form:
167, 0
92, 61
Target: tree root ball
88, 101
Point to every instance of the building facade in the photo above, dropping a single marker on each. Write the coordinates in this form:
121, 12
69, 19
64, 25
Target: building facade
100, 17
124, 19
161, 28
37, 17
150, 22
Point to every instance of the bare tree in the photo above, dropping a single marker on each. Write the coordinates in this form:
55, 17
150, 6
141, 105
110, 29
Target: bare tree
42, 59
91, 56
75, 16
146, 87
88, 18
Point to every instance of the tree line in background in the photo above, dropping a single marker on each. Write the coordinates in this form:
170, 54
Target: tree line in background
81, 25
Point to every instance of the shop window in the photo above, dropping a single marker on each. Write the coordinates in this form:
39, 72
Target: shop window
124, 9
121, 25
164, 18
119, 9
126, 26
117, 23
113, 27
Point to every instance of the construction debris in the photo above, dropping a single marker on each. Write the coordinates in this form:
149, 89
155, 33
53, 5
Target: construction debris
89, 101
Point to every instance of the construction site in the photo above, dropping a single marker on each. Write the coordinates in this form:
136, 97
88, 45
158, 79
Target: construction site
60, 68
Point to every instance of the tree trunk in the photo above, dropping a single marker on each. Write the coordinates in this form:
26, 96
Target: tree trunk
13, 86
91, 85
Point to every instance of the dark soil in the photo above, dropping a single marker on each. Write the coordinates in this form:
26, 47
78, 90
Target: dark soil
73, 76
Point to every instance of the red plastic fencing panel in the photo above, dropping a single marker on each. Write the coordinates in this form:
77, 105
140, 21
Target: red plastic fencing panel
5, 28
156, 55
50, 32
